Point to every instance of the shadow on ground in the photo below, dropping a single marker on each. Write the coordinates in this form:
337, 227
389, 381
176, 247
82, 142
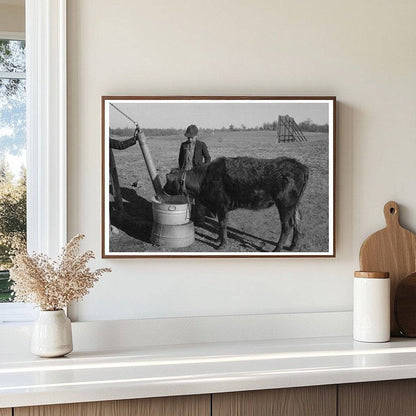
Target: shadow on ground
243, 238
136, 221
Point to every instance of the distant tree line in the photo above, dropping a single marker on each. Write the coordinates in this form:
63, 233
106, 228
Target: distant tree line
306, 126
128, 132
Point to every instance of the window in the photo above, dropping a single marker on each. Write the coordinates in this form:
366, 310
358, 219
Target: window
45, 27
12, 153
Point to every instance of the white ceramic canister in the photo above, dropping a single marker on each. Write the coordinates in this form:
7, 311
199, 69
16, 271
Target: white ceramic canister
371, 313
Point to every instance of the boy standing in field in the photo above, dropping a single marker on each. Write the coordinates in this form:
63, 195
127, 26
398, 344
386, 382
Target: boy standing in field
192, 153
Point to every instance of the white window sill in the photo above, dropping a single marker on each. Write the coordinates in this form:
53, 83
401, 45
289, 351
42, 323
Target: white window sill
16, 313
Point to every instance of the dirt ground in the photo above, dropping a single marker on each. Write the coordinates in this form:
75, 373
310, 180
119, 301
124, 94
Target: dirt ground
249, 231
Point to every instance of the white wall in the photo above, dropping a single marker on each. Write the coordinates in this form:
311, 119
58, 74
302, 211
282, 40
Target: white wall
361, 51
12, 18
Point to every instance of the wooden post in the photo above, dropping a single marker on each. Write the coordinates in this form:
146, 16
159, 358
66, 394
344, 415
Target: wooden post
157, 185
287, 123
299, 133
279, 126
118, 199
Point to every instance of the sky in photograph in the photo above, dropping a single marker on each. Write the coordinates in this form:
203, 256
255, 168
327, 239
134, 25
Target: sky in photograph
178, 115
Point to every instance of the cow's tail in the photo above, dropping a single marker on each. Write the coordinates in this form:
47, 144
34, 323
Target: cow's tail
298, 215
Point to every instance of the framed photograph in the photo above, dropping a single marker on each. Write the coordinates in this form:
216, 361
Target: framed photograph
218, 176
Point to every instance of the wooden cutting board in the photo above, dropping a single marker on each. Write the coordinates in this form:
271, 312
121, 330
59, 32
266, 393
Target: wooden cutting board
393, 250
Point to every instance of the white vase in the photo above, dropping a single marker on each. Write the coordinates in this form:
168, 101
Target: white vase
52, 334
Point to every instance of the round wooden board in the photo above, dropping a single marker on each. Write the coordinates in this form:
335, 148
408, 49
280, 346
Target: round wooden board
405, 306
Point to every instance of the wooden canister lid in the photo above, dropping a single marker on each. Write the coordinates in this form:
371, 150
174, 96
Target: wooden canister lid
372, 275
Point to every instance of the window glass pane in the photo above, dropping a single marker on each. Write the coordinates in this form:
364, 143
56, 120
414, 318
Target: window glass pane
12, 116
12, 56
12, 164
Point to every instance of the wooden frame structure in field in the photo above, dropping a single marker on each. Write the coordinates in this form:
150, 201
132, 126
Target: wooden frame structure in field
289, 131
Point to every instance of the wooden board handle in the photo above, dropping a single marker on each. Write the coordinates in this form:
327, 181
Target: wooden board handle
391, 214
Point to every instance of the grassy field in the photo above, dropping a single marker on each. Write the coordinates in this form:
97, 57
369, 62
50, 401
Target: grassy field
249, 231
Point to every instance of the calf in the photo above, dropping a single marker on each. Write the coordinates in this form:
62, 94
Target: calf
227, 184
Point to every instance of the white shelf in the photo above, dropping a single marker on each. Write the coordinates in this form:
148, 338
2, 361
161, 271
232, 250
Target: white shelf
150, 371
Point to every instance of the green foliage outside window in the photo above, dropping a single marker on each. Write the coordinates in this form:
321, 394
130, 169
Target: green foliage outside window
12, 145
12, 223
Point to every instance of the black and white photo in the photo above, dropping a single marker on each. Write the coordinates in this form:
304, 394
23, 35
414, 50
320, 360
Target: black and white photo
218, 176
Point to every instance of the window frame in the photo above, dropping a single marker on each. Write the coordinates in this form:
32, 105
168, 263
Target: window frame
12, 35
46, 137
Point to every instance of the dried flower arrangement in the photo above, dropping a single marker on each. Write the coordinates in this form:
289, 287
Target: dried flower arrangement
53, 285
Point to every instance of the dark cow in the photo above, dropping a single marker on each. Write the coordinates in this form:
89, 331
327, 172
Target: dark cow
227, 184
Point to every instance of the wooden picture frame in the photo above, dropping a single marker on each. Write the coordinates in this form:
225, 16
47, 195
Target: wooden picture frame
265, 150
